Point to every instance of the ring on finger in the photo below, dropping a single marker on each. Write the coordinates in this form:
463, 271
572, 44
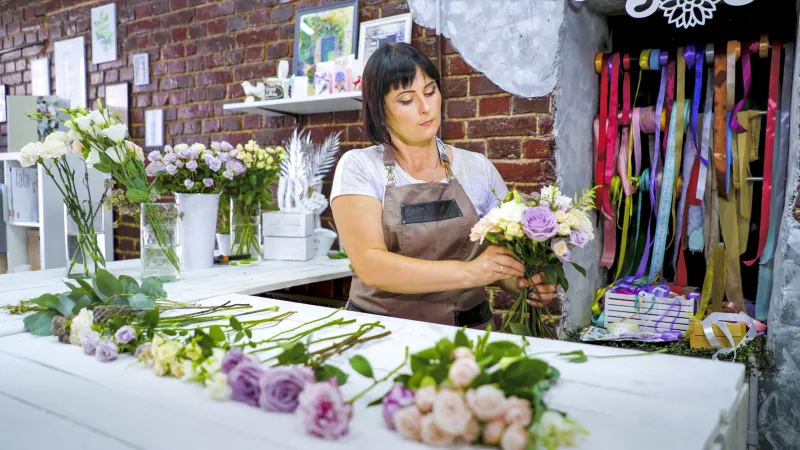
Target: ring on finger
502, 268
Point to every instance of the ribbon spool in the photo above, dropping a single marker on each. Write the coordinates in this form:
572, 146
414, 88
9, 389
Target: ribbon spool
710, 54
763, 47
598, 62
647, 119
626, 62
644, 60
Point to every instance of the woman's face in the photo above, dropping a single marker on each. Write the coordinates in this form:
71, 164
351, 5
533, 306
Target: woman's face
413, 114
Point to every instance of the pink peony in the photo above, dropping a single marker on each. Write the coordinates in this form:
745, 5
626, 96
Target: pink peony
408, 422
539, 223
518, 412
424, 398
487, 402
515, 438
323, 410
463, 372
451, 413
493, 432
399, 397
431, 434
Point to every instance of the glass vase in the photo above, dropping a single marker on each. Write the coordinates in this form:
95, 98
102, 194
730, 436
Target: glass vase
245, 233
85, 240
160, 241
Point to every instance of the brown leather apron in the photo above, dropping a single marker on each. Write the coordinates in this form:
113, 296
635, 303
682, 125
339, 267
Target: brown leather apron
430, 221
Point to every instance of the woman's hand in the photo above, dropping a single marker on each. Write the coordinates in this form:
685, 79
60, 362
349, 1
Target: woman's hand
546, 292
494, 264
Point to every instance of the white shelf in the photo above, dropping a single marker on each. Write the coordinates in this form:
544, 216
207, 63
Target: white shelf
24, 224
347, 101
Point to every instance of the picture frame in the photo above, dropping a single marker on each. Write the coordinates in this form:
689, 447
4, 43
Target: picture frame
104, 33
388, 30
70, 69
336, 35
141, 69
3, 111
154, 128
117, 101
40, 76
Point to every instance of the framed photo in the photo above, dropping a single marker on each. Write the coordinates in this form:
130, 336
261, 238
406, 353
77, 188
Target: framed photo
70, 56
117, 101
154, 128
323, 34
3, 115
104, 33
141, 69
378, 32
40, 76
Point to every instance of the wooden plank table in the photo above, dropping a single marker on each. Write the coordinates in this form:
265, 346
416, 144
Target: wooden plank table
651, 401
193, 286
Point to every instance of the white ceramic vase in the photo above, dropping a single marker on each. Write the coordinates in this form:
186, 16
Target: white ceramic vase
224, 244
199, 224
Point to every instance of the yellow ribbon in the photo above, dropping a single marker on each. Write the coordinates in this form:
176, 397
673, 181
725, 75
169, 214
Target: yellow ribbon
711, 283
748, 152
731, 222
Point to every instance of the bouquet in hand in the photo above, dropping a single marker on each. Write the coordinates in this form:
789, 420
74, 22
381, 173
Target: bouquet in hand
541, 230
188, 169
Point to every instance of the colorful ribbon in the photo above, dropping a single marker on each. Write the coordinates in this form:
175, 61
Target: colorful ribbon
720, 95
747, 79
720, 319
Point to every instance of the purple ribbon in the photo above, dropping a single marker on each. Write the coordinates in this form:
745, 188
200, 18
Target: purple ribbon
748, 83
676, 302
692, 59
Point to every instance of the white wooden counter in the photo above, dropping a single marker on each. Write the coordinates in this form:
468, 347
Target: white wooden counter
51, 395
193, 286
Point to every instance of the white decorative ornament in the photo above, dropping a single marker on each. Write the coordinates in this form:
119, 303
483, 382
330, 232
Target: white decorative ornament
682, 13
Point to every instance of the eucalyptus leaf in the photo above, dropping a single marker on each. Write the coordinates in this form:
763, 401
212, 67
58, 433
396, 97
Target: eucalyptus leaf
103, 168
118, 300
70, 285
137, 195
129, 284
216, 333
140, 300
153, 288
151, 318
361, 365
39, 324
45, 300
106, 285
65, 305
83, 302
89, 288
293, 353
327, 372
519, 329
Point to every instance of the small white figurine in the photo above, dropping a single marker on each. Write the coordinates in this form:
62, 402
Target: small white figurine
257, 92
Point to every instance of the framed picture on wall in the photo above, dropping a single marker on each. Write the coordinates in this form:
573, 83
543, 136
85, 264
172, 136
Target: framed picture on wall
323, 34
117, 101
40, 76
388, 30
104, 33
3, 115
154, 128
70, 56
141, 69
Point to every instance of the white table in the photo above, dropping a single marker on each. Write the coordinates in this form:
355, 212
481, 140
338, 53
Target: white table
51, 393
193, 286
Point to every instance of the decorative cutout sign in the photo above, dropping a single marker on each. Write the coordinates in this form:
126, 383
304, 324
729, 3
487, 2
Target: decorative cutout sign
682, 13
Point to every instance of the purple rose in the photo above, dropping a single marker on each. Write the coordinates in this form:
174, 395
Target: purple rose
171, 169
539, 223
208, 182
169, 158
185, 153
226, 146
234, 153
106, 350
238, 167
399, 397
280, 386
214, 164
125, 334
243, 380
228, 174
224, 157
155, 155
191, 165
578, 238
141, 349
233, 358
154, 168
323, 411
89, 342
188, 183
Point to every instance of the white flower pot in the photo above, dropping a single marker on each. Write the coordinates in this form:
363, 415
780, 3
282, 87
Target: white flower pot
199, 223
224, 244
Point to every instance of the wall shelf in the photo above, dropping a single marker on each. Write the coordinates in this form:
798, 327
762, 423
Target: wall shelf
346, 101
24, 224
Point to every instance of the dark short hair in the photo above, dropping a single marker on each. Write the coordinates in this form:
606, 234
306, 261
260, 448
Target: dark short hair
392, 66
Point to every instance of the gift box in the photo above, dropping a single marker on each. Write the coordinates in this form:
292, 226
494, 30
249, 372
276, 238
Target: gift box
289, 248
287, 224
698, 339
655, 310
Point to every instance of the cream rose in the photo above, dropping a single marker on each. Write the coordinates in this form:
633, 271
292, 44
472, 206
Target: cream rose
177, 370
515, 438
431, 434
518, 412
564, 230
556, 431
493, 432
81, 324
450, 412
463, 372
487, 402
167, 352
408, 422
561, 216
463, 352
572, 220
515, 229
424, 398
561, 248
159, 369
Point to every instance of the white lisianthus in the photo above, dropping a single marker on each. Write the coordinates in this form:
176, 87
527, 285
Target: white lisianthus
555, 431
97, 118
116, 133
93, 158
114, 154
133, 148
177, 370
81, 324
180, 147
217, 387
213, 364
73, 135
561, 216
193, 351
84, 123
189, 371
584, 223
564, 230
29, 154
563, 203
198, 147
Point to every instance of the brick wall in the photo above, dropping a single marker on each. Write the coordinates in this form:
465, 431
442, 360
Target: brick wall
200, 51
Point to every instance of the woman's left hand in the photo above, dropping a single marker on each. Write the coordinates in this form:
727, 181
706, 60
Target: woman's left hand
546, 292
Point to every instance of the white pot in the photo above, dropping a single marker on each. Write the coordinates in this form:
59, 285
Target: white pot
224, 244
199, 224
323, 241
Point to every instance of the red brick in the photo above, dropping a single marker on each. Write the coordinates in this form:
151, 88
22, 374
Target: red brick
473, 146
215, 44
250, 5
195, 111
287, 31
320, 119
179, 51
539, 105
494, 106
251, 121
426, 46
177, 66
216, 92
417, 31
212, 61
195, 64
347, 117
480, 85
142, 101
215, 10
211, 126
503, 148
112, 76
143, 26
191, 127
509, 126
261, 36
160, 98
218, 26
368, 13
259, 18
526, 171
537, 148
457, 66
453, 130
175, 5
198, 30
143, 11
253, 54
177, 82
394, 8
254, 71
231, 124
356, 133
234, 57
461, 108
178, 18
448, 47
235, 91
232, 138
160, 8
454, 87
216, 77
177, 98
236, 23
175, 128
283, 13
546, 125
96, 78
278, 50
197, 95
180, 34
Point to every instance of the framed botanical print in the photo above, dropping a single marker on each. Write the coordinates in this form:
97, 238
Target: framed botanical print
378, 32
104, 33
323, 34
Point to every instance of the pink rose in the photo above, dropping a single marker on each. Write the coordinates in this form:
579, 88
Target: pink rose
515, 438
493, 432
323, 410
463, 372
463, 352
518, 412
431, 434
470, 435
450, 412
424, 398
487, 402
408, 422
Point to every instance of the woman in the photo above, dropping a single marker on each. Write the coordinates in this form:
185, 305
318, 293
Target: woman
404, 207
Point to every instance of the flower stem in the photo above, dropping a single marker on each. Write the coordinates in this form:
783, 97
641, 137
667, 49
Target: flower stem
377, 382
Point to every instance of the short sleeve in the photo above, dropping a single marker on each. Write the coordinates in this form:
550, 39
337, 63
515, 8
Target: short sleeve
352, 177
497, 184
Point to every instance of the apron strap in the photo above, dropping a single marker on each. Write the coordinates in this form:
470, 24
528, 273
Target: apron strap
389, 162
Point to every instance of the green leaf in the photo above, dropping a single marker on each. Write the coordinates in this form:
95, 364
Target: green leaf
151, 318
361, 365
327, 372
83, 302
153, 288
461, 339
445, 348
551, 277
519, 329
575, 356
170, 332
418, 365
402, 378
295, 353
139, 183
45, 300
118, 300
70, 285
428, 381
428, 354
106, 285
137, 195
580, 269
376, 402
524, 372
239, 337
235, 324
39, 324
101, 167
415, 380
140, 300
85, 284
483, 378
129, 285
503, 349
216, 333
64, 305
249, 333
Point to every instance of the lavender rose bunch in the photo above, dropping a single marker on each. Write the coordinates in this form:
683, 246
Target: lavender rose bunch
542, 230
190, 169
281, 387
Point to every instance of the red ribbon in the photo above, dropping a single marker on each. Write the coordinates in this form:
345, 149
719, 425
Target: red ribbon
626, 90
609, 223
600, 141
769, 147
611, 135
681, 275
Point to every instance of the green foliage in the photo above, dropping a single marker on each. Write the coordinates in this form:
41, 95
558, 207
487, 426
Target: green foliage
327, 372
39, 323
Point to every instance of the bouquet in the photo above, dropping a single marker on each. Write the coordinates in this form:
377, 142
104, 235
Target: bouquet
542, 230
250, 172
187, 169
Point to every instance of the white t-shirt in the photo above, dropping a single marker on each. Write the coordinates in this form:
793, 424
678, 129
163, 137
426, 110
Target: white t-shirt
361, 172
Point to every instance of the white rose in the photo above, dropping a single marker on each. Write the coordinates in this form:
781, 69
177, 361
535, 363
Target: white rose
97, 117
93, 158
561, 248
177, 370
493, 432
572, 219
463, 372
29, 154
84, 123
407, 421
167, 352
449, 411
512, 211
463, 352
53, 146
553, 430
116, 133
584, 223
81, 324
431, 434
564, 229
56, 136
424, 398
515, 438
217, 387
518, 412
487, 402
561, 216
